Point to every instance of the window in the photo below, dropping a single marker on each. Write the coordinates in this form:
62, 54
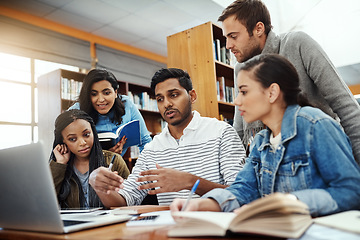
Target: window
18, 97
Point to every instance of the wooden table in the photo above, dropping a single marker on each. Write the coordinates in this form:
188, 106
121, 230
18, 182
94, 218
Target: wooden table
121, 231
115, 231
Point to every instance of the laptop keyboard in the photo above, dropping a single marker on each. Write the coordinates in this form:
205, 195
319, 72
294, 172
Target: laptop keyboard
72, 222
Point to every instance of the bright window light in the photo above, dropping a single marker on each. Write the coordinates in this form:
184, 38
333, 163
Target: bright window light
15, 68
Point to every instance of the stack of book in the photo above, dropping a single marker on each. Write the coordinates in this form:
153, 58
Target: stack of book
70, 89
143, 101
224, 93
222, 54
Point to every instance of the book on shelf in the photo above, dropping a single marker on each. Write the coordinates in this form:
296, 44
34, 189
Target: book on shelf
130, 129
143, 101
218, 53
223, 57
221, 89
278, 215
222, 54
224, 93
70, 88
215, 50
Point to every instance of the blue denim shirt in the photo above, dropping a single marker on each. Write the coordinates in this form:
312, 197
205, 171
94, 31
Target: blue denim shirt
105, 124
314, 161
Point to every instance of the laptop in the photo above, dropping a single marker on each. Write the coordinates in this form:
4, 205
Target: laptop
28, 199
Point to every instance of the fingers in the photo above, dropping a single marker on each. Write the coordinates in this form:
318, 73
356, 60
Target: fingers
240, 209
103, 180
61, 153
61, 148
177, 204
117, 148
147, 185
123, 140
148, 178
150, 172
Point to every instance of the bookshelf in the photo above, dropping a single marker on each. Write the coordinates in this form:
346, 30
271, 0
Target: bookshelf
52, 100
59, 89
201, 52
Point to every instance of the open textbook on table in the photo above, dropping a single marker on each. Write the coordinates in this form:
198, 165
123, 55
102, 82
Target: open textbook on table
274, 215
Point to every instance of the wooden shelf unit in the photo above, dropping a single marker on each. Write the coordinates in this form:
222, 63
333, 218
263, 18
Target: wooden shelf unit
51, 104
193, 50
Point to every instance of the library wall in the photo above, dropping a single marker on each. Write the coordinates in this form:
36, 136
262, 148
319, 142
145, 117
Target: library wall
127, 67
26, 40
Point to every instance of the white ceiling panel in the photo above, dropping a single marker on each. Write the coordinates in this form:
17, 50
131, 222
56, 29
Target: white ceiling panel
130, 5
93, 9
73, 20
165, 15
54, 3
137, 25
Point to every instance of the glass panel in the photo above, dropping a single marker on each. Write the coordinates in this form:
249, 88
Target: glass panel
15, 68
36, 134
15, 102
43, 67
36, 105
12, 133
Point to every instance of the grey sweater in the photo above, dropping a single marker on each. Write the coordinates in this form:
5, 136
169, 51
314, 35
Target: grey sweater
318, 79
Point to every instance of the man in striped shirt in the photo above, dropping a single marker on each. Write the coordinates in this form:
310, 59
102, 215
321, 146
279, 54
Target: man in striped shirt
190, 147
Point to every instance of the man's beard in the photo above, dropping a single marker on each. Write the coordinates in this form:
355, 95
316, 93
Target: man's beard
184, 116
254, 52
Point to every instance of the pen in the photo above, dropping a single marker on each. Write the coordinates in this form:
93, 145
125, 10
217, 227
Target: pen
193, 189
112, 162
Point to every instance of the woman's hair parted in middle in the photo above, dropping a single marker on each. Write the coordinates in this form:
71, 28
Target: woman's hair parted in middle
97, 75
96, 157
274, 68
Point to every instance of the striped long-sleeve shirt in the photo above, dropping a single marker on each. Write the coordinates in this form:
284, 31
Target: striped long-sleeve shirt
209, 148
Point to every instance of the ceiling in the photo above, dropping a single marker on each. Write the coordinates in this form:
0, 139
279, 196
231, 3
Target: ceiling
145, 24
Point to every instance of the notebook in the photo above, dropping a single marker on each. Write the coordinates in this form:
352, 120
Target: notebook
28, 199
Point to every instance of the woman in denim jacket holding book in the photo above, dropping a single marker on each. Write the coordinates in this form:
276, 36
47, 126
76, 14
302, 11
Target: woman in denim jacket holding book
303, 151
99, 98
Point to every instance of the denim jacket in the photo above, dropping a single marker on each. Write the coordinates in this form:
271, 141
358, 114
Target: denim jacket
105, 124
314, 161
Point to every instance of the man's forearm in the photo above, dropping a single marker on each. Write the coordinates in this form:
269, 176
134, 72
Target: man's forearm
205, 186
114, 199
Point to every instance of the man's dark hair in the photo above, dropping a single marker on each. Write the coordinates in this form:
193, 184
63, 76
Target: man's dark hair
249, 13
166, 73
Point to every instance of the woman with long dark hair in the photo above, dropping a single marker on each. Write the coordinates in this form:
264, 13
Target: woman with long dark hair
76, 153
303, 151
99, 97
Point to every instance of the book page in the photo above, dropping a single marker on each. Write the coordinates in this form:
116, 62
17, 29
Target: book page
201, 223
277, 201
348, 221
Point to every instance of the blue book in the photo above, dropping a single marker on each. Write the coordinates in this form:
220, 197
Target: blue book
130, 130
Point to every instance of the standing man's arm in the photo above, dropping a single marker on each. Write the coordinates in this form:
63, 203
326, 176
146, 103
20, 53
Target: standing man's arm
333, 88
